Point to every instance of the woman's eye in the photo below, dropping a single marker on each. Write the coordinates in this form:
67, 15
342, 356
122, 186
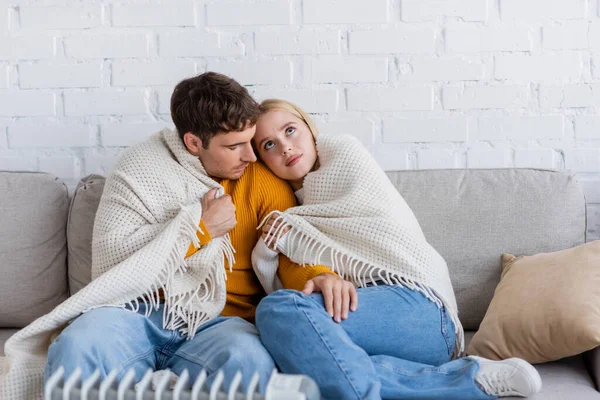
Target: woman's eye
290, 130
268, 145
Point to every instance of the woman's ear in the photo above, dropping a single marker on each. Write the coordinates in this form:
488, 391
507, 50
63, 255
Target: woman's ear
193, 143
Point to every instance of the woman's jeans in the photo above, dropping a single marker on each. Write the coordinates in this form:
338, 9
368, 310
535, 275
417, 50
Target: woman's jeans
396, 345
109, 337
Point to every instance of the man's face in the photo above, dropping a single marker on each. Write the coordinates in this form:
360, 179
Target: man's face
228, 154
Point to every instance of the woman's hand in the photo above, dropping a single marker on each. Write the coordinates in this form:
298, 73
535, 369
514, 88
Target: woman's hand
274, 223
339, 295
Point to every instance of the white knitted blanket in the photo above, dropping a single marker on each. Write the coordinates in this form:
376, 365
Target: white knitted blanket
148, 216
355, 221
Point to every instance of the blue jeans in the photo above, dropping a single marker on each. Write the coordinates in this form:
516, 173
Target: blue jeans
396, 345
111, 337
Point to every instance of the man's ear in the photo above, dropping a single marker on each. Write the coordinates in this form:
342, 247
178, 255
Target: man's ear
193, 143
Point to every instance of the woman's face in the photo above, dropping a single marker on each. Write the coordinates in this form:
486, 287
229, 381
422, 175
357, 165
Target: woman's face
286, 145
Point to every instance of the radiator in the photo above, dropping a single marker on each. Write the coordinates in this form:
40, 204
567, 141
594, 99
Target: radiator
281, 386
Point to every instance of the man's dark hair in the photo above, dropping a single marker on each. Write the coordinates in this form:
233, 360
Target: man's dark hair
212, 103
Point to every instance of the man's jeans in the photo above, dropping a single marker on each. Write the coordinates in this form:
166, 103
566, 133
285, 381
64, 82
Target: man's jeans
396, 345
111, 337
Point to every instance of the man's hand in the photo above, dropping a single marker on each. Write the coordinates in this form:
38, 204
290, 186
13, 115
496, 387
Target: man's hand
218, 215
339, 295
272, 222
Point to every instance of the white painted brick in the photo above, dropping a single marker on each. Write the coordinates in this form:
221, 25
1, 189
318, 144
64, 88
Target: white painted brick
488, 158
3, 77
344, 11
26, 136
538, 67
117, 135
391, 158
71, 17
3, 19
100, 163
450, 129
591, 188
194, 44
442, 69
569, 35
427, 10
164, 100
17, 163
464, 38
66, 167
396, 99
536, 158
110, 45
570, 96
3, 138
596, 64
179, 14
235, 13
303, 42
361, 129
26, 104
483, 97
126, 73
583, 160
104, 103
536, 10
349, 69
311, 101
436, 159
594, 35
527, 128
30, 47
59, 75
275, 72
396, 40
587, 127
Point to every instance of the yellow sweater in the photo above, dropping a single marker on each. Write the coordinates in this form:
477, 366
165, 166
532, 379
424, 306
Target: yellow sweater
255, 194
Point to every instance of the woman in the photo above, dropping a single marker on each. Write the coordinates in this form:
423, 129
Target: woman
403, 331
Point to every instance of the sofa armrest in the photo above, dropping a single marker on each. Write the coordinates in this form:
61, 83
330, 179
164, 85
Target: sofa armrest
592, 362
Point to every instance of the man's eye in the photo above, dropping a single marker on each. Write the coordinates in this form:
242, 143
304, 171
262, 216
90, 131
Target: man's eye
232, 147
269, 145
290, 130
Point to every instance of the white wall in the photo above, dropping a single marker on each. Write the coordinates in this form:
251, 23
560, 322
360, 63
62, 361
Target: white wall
423, 83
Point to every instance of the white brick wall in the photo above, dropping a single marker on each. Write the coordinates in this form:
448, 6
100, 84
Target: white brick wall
422, 83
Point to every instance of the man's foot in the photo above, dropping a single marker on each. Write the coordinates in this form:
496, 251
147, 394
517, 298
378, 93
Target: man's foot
511, 377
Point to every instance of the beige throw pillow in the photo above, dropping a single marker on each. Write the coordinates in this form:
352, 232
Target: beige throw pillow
546, 307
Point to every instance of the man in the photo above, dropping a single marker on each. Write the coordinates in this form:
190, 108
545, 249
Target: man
215, 118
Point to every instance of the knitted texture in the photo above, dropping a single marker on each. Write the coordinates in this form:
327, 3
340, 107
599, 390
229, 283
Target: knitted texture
148, 214
355, 221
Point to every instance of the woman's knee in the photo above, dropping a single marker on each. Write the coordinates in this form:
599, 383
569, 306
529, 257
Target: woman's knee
278, 306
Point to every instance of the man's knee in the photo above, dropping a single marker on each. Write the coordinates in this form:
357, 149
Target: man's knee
278, 304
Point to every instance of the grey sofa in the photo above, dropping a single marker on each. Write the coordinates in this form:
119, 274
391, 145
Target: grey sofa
470, 216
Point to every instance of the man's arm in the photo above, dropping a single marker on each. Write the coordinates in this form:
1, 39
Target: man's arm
218, 218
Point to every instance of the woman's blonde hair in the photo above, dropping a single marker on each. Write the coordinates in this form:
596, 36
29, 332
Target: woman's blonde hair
284, 105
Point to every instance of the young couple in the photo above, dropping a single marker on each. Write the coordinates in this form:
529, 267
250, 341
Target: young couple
181, 270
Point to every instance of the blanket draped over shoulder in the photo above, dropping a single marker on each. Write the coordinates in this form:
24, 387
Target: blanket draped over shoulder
355, 221
148, 215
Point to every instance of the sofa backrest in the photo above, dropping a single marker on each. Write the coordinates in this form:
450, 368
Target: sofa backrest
33, 246
471, 217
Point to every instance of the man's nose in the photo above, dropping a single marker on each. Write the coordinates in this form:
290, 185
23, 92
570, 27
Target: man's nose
248, 154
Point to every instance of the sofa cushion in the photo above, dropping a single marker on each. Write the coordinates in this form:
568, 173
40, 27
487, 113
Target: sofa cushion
33, 246
546, 307
471, 217
82, 212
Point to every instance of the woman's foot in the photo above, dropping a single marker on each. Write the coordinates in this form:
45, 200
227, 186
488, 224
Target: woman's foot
511, 377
